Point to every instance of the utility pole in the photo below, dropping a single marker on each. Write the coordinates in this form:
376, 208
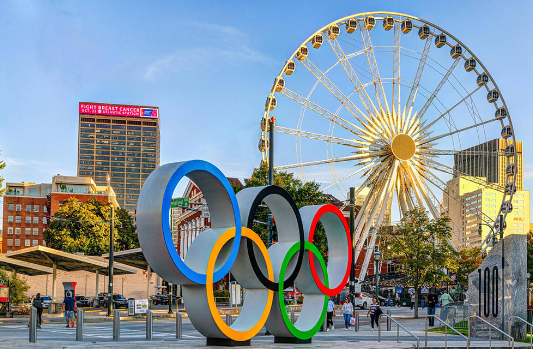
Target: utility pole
352, 230
111, 250
270, 174
503, 274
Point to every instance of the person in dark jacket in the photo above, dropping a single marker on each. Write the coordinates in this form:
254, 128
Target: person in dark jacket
38, 304
431, 301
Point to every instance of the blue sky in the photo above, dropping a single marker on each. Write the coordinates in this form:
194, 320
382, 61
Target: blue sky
208, 66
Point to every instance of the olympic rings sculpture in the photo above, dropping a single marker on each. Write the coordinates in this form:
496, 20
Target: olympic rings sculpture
230, 244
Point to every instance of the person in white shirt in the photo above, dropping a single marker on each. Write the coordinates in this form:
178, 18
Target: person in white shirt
330, 314
347, 310
374, 311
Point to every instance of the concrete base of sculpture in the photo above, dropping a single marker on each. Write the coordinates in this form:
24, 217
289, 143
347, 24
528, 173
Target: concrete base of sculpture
484, 289
292, 340
226, 342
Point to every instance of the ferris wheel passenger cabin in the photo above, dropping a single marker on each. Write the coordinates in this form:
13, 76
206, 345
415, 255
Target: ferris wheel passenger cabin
407, 25
509, 151
507, 132
351, 25
470, 64
388, 23
510, 169
456, 51
510, 188
440, 40
318, 39
279, 83
482, 79
271, 104
303, 51
492, 96
289, 67
507, 206
500, 113
424, 32
333, 31
370, 22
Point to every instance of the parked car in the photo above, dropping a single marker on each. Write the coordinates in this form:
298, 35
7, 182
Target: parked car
159, 299
46, 301
82, 301
362, 300
119, 301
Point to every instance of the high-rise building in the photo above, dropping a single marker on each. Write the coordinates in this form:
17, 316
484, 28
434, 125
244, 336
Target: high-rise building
119, 140
472, 205
488, 160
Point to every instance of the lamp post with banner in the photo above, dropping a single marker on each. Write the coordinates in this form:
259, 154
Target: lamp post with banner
377, 257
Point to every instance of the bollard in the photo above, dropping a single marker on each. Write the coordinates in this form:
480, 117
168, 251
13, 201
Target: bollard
356, 321
389, 322
379, 330
325, 324
116, 325
33, 324
178, 325
149, 324
79, 325
229, 319
292, 317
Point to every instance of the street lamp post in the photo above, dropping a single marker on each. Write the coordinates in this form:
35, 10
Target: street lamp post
111, 251
377, 257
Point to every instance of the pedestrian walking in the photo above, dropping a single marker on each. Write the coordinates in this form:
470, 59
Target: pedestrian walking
445, 300
330, 314
398, 300
389, 299
375, 312
432, 300
38, 304
412, 300
69, 306
347, 310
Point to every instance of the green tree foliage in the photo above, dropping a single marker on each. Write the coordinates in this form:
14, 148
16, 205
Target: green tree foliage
422, 248
468, 260
2, 166
304, 194
18, 287
84, 227
530, 253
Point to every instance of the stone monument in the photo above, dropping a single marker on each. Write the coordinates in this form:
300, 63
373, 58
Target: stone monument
484, 289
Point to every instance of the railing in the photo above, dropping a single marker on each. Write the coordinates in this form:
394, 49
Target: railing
397, 330
446, 326
529, 325
491, 326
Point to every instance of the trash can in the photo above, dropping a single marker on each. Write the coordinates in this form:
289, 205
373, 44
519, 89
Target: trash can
96, 302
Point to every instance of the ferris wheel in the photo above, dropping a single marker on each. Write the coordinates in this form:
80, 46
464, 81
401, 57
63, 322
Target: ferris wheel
397, 107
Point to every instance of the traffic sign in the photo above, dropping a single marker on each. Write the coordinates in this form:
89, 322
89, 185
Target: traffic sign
179, 202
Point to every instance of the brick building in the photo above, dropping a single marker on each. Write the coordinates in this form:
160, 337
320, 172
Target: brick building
29, 206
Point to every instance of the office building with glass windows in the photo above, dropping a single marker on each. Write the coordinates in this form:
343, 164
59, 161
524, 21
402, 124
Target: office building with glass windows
121, 141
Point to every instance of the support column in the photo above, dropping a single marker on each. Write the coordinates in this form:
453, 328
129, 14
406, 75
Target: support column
149, 275
54, 278
97, 282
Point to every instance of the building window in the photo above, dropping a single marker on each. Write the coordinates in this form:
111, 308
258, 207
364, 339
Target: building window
17, 242
45, 220
27, 231
17, 231
27, 242
28, 219
10, 219
45, 209
35, 231
9, 242
18, 219
11, 207
36, 220
19, 207
35, 208
28, 208
35, 242
9, 230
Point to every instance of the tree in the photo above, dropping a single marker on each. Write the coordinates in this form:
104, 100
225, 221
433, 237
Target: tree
84, 227
17, 286
468, 260
304, 194
2, 166
422, 248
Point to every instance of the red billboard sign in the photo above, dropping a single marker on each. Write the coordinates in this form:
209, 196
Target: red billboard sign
4, 294
118, 110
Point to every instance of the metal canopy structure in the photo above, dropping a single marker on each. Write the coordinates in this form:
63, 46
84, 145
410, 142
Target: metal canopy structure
49, 257
23, 267
133, 258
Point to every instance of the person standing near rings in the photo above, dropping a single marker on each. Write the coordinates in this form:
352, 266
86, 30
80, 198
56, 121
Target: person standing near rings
38, 304
432, 300
330, 314
69, 306
347, 310
374, 311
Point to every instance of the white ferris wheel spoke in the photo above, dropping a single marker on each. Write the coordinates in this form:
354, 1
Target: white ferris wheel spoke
358, 155
370, 164
343, 141
418, 75
459, 130
396, 109
348, 126
380, 92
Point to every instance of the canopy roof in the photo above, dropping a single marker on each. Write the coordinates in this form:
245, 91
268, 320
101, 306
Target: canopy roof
133, 258
23, 267
46, 256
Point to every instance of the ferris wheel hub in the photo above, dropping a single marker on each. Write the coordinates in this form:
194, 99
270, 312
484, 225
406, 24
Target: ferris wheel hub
403, 146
